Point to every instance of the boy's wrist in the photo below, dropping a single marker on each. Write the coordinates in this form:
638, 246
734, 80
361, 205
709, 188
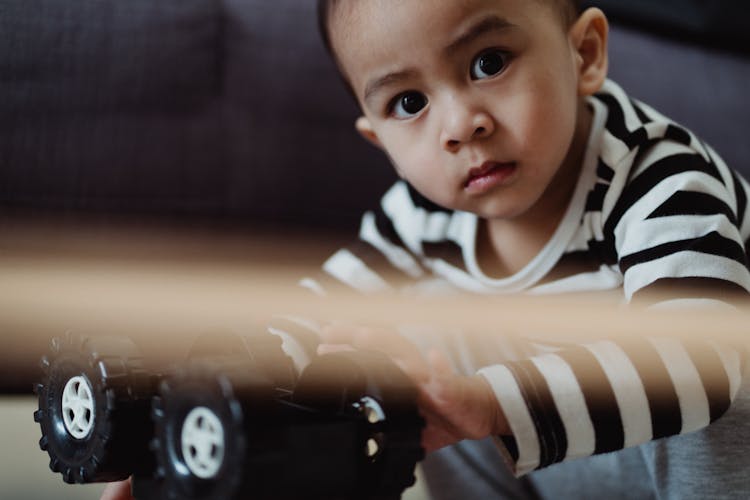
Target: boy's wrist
490, 406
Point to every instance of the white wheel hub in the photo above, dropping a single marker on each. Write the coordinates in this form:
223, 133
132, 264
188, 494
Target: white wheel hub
78, 407
202, 442
374, 413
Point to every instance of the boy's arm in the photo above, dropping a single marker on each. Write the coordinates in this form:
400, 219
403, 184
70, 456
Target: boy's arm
678, 230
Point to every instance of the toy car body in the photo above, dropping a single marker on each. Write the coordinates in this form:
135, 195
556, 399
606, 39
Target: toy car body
232, 421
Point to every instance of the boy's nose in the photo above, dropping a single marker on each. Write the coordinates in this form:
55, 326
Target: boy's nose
464, 125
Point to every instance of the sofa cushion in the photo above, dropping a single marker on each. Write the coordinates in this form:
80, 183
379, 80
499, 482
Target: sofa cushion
111, 106
720, 23
107, 56
292, 152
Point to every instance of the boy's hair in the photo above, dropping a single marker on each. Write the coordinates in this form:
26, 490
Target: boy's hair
569, 10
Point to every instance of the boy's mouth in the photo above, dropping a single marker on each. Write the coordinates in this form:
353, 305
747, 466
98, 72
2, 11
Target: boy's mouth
488, 175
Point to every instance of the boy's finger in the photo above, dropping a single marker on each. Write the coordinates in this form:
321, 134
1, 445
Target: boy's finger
338, 333
404, 353
439, 363
416, 369
329, 348
362, 337
117, 491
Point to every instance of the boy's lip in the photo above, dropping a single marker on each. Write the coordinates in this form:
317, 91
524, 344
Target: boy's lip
488, 175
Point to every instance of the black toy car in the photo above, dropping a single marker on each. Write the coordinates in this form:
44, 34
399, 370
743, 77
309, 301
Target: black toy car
234, 420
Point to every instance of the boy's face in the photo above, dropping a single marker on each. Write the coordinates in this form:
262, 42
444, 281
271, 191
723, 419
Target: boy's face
475, 101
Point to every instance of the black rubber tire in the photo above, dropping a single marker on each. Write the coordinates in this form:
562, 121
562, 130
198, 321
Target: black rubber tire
334, 382
263, 350
244, 402
121, 390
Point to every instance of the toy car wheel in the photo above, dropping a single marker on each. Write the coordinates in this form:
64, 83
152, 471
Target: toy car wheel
371, 387
213, 419
93, 412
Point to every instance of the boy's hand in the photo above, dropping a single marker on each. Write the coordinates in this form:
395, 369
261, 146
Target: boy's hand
117, 491
455, 407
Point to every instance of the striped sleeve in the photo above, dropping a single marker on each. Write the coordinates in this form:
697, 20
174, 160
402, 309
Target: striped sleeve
609, 395
677, 218
676, 226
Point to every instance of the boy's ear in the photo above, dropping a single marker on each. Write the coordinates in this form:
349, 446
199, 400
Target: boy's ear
589, 35
364, 128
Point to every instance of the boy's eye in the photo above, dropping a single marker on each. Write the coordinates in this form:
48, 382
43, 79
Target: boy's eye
488, 64
408, 104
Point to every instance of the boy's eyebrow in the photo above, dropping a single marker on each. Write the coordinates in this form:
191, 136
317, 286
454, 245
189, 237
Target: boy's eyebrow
482, 27
376, 84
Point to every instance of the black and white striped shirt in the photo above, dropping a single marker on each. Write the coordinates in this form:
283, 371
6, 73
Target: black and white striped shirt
654, 209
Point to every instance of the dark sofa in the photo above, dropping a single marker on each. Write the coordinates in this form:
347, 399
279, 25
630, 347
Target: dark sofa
225, 109
230, 110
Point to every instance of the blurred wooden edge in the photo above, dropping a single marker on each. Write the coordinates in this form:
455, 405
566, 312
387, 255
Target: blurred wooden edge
178, 300
118, 283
